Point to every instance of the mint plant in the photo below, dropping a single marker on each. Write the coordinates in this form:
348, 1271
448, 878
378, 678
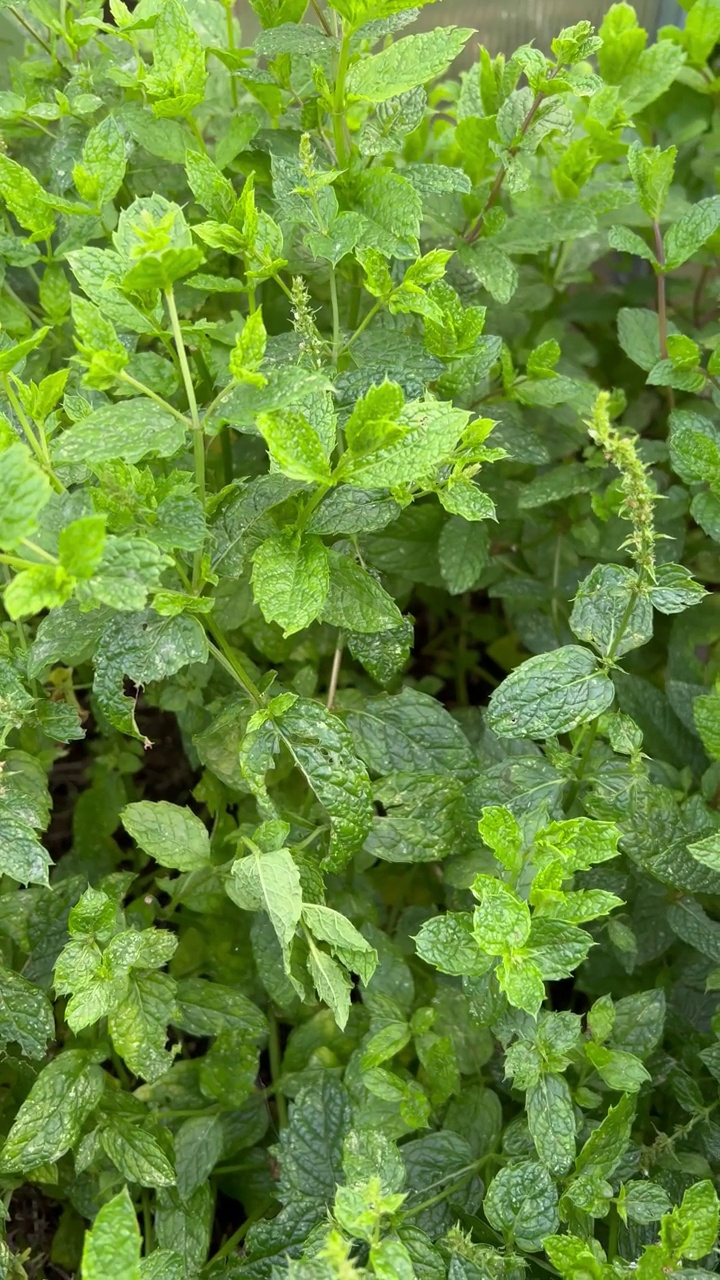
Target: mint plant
360, 649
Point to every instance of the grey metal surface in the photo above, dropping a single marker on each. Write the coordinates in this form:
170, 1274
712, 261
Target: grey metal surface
502, 25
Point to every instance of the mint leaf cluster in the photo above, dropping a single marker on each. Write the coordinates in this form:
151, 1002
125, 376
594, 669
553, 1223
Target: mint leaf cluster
359, 645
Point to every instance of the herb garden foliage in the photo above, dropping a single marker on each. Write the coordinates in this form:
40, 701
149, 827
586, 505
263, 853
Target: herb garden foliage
414, 969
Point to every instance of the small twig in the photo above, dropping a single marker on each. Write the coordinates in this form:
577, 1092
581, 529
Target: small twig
321, 18
697, 295
662, 303
661, 293
335, 672
473, 232
30, 30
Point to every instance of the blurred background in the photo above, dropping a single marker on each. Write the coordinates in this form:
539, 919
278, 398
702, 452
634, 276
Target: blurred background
501, 25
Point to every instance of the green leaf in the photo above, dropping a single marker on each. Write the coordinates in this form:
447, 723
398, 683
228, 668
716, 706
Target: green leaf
207, 1008
694, 447
24, 492
131, 430
502, 920
210, 187
464, 550
610, 612
618, 1070
638, 336
449, 944
686, 236
551, 1120
249, 350
33, 590
608, 1143
137, 1155
674, 589
22, 856
691, 1229
269, 882
295, 446
11, 356
431, 431
229, 1069
177, 78
521, 1203
492, 267
272, 13
311, 1147
138, 1026
550, 694
26, 1016
25, 198
412, 733
702, 30
322, 748
406, 63
463, 498
81, 545
645, 1202
99, 174
623, 42
652, 171
332, 984
198, 1147
384, 653
627, 241
351, 510
51, 1118
652, 75
344, 940
173, 836
291, 579
185, 1225
355, 599
706, 715
112, 1245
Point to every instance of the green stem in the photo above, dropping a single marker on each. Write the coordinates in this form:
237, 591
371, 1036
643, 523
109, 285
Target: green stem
148, 1229
229, 659
661, 291
336, 338
335, 672
34, 315
30, 30
275, 1070
37, 444
218, 400
198, 437
122, 376
364, 324
321, 18
17, 562
227, 458
39, 551
312, 505
455, 1185
231, 47
238, 1236
338, 116
613, 1231
474, 230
